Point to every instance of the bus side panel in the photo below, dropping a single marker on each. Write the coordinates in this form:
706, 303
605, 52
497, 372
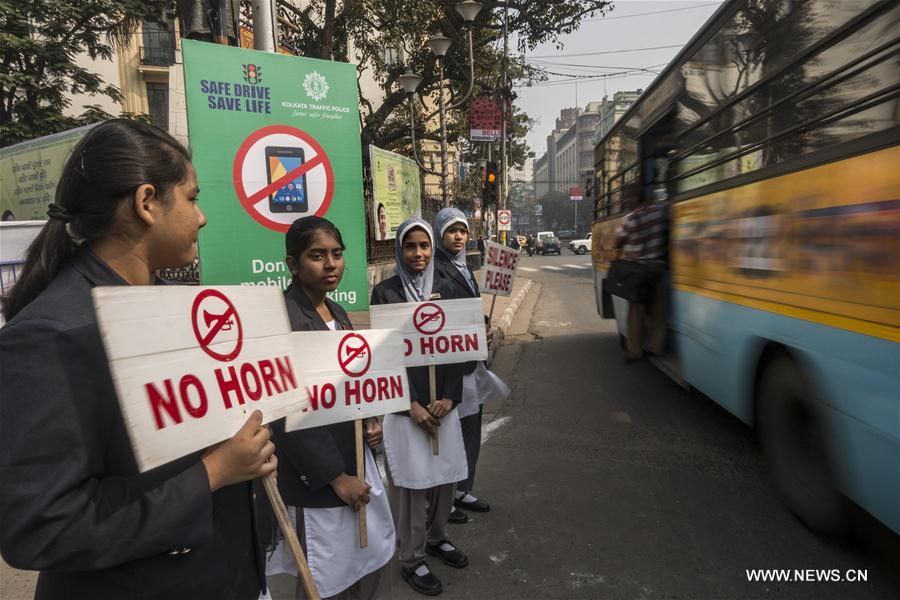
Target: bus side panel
855, 377
809, 260
712, 351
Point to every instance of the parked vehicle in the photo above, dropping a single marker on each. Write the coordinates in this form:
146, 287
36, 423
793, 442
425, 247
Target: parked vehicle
582, 246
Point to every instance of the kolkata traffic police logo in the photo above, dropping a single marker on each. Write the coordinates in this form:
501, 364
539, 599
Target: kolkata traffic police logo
316, 86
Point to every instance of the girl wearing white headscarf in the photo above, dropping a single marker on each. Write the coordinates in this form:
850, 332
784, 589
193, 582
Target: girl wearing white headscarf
420, 484
479, 384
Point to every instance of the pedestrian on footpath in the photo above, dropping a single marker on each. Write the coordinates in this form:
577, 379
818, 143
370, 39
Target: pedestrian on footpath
420, 483
73, 504
317, 478
452, 229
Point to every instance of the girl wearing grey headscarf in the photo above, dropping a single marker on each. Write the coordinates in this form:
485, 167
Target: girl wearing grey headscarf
479, 384
421, 483
442, 222
416, 286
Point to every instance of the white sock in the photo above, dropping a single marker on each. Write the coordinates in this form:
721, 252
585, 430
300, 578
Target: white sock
460, 494
468, 498
422, 571
447, 547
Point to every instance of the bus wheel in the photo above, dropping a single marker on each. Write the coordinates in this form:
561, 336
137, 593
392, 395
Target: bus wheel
790, 433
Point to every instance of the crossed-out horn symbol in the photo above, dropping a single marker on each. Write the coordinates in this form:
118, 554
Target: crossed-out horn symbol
210, 318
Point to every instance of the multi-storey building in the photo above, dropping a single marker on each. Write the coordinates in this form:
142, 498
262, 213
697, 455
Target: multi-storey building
569, 158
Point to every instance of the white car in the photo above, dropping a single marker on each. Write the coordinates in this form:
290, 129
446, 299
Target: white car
581, 246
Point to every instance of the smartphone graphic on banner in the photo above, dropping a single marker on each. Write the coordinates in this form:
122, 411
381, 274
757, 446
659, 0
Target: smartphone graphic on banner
291, 197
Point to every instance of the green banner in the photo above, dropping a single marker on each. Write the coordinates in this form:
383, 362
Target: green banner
274, 138
397, 191
29, 172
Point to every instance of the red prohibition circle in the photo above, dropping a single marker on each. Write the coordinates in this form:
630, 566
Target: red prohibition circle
422, 319
504, 218
206, 341
247, 202
352, 353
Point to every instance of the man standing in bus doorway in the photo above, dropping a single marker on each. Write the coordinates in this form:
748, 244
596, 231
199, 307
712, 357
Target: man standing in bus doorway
643, 236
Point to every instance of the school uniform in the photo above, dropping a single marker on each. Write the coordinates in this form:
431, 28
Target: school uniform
471, 409
308, 460
73, 504
419, 482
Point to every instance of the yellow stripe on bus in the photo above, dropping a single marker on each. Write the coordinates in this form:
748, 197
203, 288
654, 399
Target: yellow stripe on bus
855, 325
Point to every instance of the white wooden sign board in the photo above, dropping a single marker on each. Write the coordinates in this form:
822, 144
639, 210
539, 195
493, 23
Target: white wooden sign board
350, 375
191, 363
436, 333
500, 267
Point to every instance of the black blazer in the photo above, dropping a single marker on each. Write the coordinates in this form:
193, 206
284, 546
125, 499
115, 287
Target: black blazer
448, 378
446, 271
73, 504
309, 459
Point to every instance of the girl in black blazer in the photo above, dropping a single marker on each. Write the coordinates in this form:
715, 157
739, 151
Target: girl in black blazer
73, 504
318, 470
421, 485
452, 230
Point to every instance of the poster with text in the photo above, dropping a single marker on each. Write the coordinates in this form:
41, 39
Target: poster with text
274, 138
397, 191
29, 172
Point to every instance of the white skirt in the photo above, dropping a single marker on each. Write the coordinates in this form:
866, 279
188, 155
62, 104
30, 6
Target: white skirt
480, 386
332, 540
407, 449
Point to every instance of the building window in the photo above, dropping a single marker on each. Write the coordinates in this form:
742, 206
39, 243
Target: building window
158, 104
158, 44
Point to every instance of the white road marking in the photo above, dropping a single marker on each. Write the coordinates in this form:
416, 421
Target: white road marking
488, 430
577, 266
527, 269
551, 268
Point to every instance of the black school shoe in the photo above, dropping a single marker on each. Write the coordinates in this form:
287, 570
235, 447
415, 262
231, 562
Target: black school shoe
457, 516
454, 558
427, 584
476, 506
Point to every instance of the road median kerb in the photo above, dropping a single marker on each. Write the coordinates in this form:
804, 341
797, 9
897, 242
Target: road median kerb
508, 314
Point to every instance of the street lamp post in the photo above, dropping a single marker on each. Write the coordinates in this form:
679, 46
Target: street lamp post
439, 44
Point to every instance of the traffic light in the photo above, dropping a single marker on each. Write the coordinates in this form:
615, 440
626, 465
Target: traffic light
489, 193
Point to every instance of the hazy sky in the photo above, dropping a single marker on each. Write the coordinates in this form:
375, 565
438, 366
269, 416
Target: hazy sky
610, 35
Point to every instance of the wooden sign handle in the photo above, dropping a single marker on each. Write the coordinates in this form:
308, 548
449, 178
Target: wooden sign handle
290, 536
432, 397
361, 473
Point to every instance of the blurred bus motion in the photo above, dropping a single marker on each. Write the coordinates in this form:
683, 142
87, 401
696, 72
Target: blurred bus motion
775, 135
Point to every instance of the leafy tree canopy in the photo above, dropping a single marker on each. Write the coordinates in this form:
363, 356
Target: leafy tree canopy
39, 42
325, 28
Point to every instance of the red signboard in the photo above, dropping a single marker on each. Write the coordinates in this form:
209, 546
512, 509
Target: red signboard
486, 120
